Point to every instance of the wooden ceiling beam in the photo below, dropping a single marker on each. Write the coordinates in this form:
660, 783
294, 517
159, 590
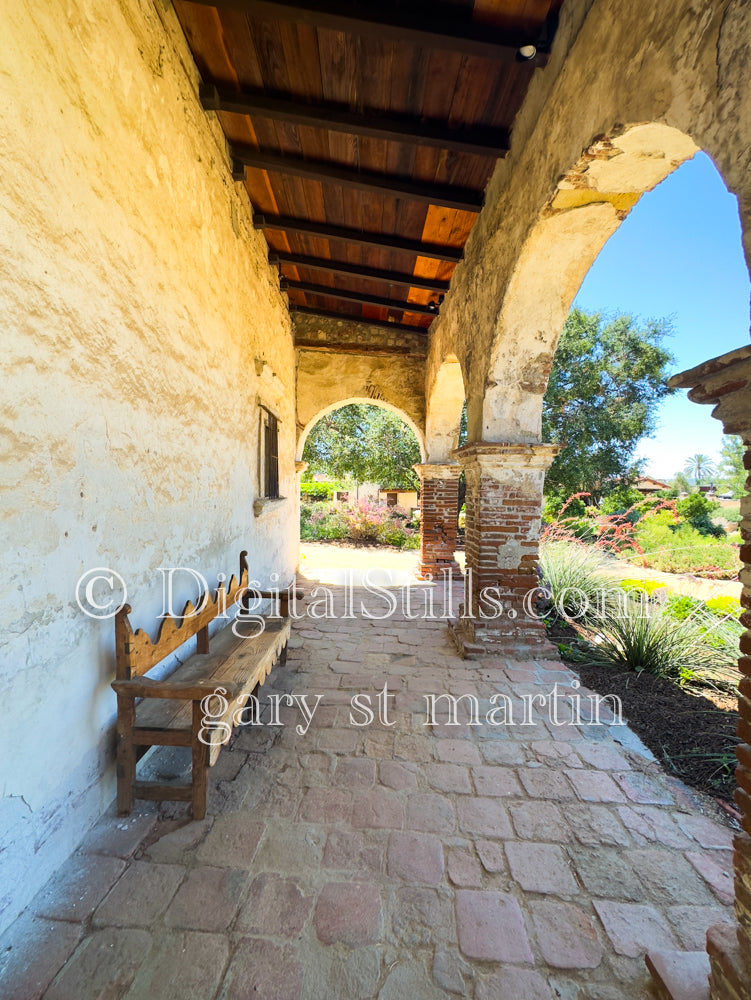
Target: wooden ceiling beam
433, 25
346, 296
323, 230
348, 318
367, 349
478, 140
358, 271
446, 195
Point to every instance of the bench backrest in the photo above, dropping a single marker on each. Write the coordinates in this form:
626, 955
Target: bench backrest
136, 654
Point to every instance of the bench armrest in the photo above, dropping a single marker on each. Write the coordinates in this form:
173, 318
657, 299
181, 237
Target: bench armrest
143, 687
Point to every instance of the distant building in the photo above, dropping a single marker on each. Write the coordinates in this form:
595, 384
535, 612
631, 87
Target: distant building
649, 486
398, 497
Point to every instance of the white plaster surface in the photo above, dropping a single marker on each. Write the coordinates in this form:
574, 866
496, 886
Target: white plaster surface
135, 299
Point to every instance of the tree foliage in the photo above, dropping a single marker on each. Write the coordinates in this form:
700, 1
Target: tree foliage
365, 443
731, 471
699, 467
607, 380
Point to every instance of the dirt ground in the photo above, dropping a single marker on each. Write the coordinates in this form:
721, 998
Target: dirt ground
679, 583
693, 736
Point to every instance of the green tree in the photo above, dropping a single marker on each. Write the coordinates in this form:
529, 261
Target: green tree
365, 443
699, 467
731, 471
606, 384
680, 483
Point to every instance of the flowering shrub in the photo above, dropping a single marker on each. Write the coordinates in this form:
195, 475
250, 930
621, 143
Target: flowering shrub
653, 533
364, 521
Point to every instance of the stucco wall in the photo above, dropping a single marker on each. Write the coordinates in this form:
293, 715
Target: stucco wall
141, 326
326, 381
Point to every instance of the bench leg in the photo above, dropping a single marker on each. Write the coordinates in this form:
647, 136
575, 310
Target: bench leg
283, 656
200, 773
126, 754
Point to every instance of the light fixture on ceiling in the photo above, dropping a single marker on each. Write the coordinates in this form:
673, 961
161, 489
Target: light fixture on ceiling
526, 52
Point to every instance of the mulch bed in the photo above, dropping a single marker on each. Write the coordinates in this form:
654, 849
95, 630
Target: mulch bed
693, 735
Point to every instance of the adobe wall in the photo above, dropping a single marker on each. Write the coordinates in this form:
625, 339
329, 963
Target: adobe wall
141, 328
329, 378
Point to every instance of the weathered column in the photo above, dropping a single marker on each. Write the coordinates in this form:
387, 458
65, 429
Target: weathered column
439, 514
726, 382
502, 529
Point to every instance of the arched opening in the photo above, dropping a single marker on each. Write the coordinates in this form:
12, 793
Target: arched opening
679, 254
361, 401
445, 401
588, 207
360, 487
589, 203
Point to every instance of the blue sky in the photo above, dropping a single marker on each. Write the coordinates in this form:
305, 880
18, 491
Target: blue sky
679, 255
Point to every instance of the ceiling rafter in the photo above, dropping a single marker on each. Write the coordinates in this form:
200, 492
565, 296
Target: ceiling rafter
434, 251
346, 296
445, 195
433, 26
358, 271
477, 139
348, 318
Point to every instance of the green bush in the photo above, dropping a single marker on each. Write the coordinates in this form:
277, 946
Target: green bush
696, 509
573, 575
619, 500
654, 642
696, 505
681, 548
319, 491
645, 586
680, 607
554, 503
724, 606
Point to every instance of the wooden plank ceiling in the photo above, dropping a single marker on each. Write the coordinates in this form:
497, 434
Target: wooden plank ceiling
366, 133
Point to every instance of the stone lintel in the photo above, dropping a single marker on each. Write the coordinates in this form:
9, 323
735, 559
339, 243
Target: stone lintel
726, 383
436, 470
490, 455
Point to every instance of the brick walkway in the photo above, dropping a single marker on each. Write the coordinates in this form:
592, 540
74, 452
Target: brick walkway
523, 863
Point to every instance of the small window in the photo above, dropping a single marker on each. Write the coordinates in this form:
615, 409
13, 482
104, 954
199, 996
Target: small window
269, 458
392, 499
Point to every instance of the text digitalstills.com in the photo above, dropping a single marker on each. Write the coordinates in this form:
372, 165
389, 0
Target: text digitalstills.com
101, 593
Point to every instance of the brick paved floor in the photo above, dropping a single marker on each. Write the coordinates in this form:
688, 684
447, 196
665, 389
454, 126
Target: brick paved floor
391, 862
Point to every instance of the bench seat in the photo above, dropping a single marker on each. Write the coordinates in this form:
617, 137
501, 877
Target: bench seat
173, 711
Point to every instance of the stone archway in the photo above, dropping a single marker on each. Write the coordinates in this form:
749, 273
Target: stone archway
588, 205
439, 475
443, 411
363, 401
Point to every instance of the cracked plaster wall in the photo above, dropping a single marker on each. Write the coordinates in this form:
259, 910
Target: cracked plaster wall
135, 299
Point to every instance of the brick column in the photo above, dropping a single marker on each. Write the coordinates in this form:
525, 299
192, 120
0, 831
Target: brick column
439, 512
726, 383
502, 530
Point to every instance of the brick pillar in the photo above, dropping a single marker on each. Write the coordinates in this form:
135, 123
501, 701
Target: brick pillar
502, 530
439, 512
726, 383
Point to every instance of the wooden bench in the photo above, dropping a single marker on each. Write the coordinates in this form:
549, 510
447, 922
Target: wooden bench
172, 712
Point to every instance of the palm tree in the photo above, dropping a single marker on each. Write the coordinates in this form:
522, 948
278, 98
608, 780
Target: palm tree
699, 467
